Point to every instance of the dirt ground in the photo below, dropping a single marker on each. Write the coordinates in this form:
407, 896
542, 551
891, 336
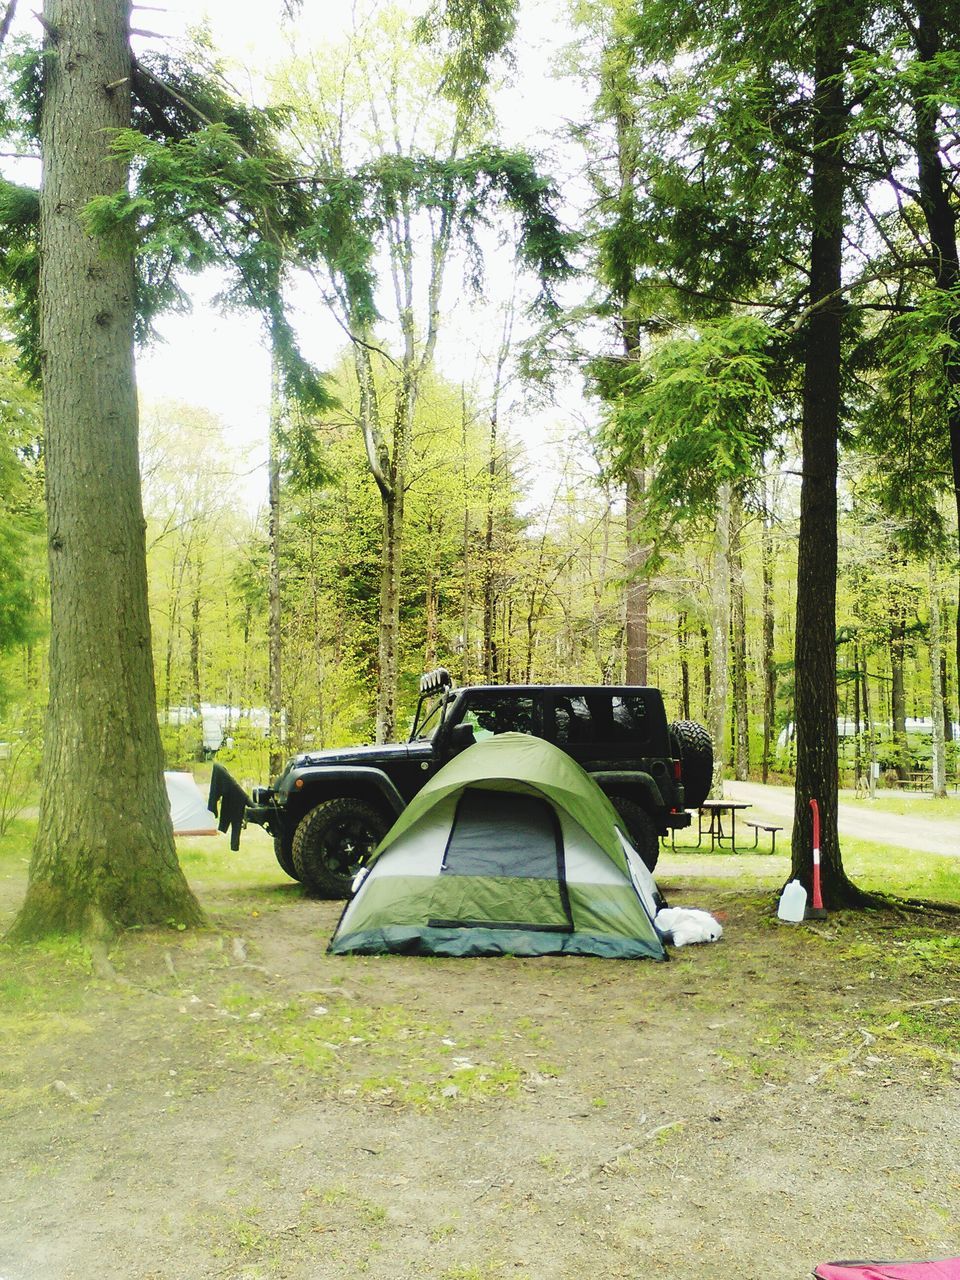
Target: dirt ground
236, 1103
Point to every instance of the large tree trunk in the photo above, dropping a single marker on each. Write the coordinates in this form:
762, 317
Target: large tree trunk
391, 562
871, 731
815, 641
707, 666
196, 690
945, 689
104, 855
393, 548
318, 631
431, 589
490, 654
857, 718
465, 636
618, 91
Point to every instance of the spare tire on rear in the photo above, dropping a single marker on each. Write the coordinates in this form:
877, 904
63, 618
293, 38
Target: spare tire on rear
693, 747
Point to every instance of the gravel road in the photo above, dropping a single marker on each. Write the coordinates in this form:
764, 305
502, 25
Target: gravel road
858, 819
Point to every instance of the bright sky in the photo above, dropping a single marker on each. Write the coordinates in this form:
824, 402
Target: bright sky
220, 361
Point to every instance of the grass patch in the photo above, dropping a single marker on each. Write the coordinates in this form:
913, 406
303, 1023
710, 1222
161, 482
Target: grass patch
878, 868
922, 965
43, 976
384, 1054
255, 1237
935, 1025
905, 804
209, 861
42, 1002
16, 844
884, 868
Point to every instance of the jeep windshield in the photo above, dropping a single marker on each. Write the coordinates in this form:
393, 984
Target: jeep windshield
427, 720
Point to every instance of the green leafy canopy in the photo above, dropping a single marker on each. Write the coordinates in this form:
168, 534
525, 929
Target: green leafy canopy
210, 187
697, 405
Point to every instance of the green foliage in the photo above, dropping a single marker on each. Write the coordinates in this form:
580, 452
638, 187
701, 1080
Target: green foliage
205, 200
17, 599
704, 207
20, 745
211, 187
21, 518
696, 406
902, 429
21, 93
215, 186
471, 188
473, 33
20, 270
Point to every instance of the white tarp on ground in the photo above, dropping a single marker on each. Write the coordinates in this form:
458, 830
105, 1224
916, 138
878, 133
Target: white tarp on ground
188, 806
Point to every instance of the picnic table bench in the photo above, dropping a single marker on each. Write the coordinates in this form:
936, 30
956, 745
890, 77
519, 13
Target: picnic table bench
764, 826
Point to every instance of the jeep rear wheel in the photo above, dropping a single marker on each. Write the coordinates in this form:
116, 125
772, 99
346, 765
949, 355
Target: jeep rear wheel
693, 747
640, 829
332, 842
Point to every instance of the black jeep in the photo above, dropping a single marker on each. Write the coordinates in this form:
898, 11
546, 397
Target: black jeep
329, 809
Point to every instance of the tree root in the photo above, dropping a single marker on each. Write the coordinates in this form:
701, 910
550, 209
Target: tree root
849, 897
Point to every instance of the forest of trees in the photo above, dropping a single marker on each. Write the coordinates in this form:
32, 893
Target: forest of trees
736, 272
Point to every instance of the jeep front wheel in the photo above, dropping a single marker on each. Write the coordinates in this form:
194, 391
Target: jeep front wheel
332, 842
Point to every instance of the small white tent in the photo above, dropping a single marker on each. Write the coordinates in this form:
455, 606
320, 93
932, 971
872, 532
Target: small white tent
188, 808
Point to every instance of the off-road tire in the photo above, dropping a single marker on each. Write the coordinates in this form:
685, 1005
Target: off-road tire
332, 842
694, 749
283, 849
640, 829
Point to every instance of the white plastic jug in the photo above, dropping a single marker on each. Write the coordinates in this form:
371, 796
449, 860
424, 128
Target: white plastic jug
793, 902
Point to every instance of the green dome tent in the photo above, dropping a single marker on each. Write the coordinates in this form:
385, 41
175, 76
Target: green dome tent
510, 849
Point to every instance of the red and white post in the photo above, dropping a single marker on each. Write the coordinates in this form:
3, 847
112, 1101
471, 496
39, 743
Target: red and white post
816, 909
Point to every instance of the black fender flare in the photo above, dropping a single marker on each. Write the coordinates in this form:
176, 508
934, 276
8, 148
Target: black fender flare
281, 813
326, 783
630, 783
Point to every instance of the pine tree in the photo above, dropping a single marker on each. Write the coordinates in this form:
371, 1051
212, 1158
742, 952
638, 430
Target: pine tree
104, 855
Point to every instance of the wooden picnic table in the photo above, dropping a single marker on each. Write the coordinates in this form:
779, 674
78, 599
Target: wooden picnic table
710, 824
916, 781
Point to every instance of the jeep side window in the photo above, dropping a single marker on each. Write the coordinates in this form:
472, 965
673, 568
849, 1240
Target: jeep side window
630, 720
491, 713
594, 718
573, 721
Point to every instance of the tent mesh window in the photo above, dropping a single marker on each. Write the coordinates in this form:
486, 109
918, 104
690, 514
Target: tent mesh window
504, 836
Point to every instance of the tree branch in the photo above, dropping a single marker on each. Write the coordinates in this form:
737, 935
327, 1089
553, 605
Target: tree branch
8, 15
